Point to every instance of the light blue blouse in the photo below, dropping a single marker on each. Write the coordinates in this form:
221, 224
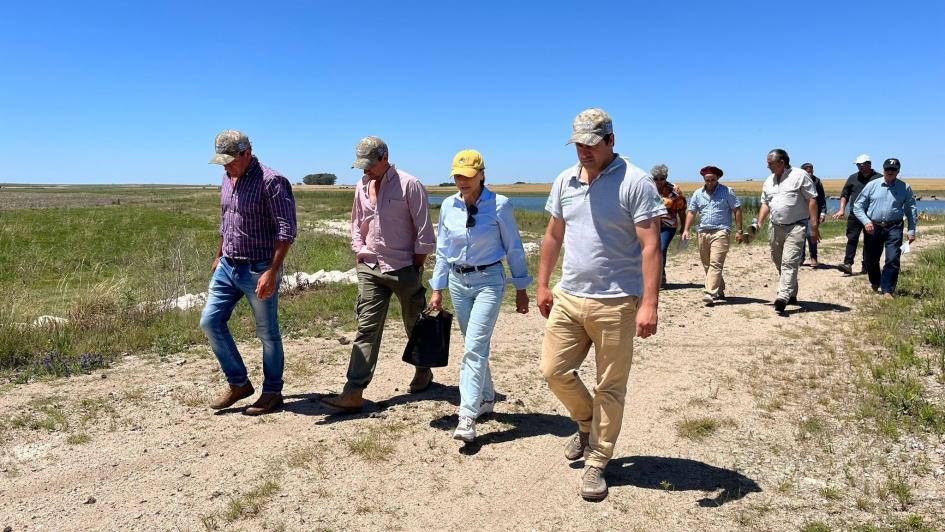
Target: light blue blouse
494, 237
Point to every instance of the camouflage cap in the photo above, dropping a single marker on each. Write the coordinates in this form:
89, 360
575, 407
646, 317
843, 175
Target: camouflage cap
590, 126
369, 151
229, 144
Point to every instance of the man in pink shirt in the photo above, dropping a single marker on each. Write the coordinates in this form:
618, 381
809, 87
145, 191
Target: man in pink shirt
391, 235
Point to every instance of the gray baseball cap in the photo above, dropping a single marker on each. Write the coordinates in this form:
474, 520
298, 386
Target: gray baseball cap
590, 126
229, 144
368, 152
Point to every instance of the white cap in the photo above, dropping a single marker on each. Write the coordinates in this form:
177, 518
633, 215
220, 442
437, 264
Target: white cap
864, 158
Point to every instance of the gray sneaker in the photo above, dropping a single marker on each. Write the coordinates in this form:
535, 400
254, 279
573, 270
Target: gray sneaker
593, 485
577, 445
465, 429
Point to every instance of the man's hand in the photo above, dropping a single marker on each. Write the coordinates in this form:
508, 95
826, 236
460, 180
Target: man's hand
815, 233
266, 285
911, 239
739, 237
213, 267
684, 235
646, 321
869, 228
823, 216
521, 301
545, 301
436, 301
837, 215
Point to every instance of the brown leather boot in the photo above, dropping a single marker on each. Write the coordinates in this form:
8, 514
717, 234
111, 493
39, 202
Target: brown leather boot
422, 379
232, 395
267, 402
349, 402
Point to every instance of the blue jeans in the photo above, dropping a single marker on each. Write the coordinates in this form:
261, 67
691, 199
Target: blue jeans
231, 282
476, 299
666, 236
889, 238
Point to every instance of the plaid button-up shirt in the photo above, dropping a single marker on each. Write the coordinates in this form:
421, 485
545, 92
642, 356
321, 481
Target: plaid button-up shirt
258, 209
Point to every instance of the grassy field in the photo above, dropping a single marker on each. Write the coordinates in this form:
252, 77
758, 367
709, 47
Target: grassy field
93, 254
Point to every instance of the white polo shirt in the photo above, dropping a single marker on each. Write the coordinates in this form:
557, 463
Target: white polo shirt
789, 198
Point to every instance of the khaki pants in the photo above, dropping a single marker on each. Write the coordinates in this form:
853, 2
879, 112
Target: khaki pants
713, 248
375, 289
575, 323
787, 246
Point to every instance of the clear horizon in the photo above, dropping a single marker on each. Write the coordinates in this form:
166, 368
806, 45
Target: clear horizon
126, 94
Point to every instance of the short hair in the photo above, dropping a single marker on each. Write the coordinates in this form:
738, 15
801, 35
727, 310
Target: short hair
780, 155
607, 138
660, 169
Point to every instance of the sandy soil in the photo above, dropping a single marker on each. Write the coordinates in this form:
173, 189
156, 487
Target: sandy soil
157, 459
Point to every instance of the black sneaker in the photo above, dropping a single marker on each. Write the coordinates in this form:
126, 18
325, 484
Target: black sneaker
846, 268
792, 300
779, 305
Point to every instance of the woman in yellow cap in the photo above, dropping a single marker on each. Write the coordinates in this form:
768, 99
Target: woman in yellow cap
476, 231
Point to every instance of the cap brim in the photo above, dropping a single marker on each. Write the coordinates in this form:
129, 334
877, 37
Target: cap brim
362, 164
464, 171
222, 158
588, 139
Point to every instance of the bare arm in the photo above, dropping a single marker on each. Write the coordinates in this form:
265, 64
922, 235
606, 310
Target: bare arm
739, 224
550, 250
843, 205
690, 217
648, 232
266, 285
762, 214
814, 219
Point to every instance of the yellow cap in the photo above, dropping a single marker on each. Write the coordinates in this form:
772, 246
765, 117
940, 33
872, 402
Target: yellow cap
468, 163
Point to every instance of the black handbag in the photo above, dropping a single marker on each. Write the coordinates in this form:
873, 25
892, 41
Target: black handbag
429, 344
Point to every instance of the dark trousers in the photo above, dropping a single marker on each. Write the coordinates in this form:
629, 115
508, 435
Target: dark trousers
854, 228
888, 239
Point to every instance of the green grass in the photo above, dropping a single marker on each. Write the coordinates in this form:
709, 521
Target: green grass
910, 331
697, 429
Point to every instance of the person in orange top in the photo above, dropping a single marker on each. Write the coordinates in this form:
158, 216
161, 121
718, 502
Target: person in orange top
675, 216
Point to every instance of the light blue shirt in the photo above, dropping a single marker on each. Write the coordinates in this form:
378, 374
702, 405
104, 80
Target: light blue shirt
602, 255
494, 237
715, 209
879, 202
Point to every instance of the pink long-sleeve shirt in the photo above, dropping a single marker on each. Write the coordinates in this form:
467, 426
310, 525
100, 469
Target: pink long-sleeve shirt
397, 227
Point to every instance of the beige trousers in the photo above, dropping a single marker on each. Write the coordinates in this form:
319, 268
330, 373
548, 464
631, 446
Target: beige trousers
787, 245
576, 323
713, 248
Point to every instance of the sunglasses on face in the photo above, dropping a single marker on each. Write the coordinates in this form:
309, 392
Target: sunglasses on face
471, 210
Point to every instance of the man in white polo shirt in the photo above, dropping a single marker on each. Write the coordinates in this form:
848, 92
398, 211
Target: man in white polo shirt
606, 212
790, 197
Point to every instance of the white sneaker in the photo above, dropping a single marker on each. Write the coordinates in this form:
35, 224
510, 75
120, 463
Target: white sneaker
486, 407
465, 429
707, 299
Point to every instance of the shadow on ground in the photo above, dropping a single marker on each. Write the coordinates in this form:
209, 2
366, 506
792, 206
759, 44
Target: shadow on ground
310, 404
680, 474
679, 286
738, 300
523, 425
816, 306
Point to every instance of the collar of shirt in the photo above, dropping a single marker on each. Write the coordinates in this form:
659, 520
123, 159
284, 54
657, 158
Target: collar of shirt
484, 197
610, 168
889, 185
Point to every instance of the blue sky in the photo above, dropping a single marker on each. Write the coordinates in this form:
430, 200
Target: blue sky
117, 92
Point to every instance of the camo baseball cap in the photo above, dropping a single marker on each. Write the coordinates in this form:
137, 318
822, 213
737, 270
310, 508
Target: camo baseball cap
468, 163
590, 126
228, 145
368, 152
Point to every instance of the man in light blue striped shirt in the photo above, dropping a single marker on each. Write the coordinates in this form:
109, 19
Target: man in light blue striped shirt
716, 203
881, 207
